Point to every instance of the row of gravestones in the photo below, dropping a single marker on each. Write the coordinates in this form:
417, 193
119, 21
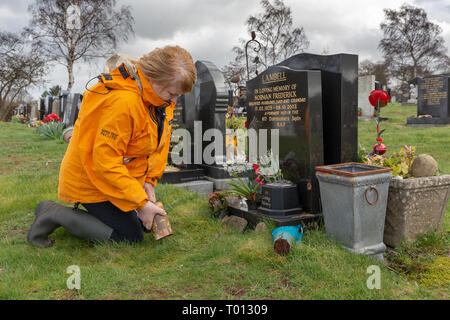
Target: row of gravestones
66, 107
311, 99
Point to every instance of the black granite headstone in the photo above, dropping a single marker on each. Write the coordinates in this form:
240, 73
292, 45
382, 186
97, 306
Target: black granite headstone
433, 103
344, 98
72, 108
41, 108
291, 101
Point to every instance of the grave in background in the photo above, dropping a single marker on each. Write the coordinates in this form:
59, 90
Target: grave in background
433, 106
366, 84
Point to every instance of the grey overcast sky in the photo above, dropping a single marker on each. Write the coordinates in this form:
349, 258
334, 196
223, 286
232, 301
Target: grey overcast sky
209, 29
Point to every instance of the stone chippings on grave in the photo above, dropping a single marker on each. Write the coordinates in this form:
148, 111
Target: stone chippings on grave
366, 84
319, 124
433, 103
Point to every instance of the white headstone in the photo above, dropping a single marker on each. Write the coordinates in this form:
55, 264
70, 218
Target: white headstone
366, 84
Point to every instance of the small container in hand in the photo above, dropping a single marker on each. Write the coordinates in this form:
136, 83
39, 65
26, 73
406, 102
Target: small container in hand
161, 226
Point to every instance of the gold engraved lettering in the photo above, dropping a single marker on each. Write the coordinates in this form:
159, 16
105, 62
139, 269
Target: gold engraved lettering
274, 77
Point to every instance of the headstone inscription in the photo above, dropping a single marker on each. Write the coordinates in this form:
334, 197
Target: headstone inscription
433, 105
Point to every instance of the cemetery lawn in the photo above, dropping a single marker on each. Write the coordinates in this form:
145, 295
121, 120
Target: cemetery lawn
203, 259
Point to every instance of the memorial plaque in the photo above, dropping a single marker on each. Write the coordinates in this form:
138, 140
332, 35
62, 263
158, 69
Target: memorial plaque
433, 100
433, 96
291, 101
178, 114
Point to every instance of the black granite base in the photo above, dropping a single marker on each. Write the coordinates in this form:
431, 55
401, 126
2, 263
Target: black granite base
428, 122
255, 216
215, 172
186, 174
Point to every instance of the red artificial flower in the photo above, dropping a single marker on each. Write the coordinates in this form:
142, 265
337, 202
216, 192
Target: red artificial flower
379, 95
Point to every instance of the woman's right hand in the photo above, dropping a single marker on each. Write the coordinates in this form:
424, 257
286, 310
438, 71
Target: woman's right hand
148, 212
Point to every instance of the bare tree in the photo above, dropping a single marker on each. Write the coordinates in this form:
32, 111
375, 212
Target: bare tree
20, 68
379, 69
274, 30
411, 43
66, 31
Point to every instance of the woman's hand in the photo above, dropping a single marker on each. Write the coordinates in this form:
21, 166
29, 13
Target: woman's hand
148, 212
150, 191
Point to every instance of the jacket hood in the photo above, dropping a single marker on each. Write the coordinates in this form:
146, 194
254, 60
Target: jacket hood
125, 74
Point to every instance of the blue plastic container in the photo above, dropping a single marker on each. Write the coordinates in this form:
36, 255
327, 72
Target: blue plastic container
289, 233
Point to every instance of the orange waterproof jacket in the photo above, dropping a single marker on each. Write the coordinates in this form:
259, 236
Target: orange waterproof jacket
115, 146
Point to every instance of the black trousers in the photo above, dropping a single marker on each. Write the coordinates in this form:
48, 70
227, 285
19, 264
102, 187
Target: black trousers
126, 225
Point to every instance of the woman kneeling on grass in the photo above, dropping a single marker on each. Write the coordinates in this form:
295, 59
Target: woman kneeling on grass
118, 150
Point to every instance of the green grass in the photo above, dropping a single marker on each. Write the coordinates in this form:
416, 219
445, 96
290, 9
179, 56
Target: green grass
203, 259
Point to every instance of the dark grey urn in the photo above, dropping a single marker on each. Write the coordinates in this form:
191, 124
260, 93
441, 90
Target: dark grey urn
280, 199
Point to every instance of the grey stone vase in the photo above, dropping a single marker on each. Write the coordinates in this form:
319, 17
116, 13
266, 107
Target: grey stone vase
354, 198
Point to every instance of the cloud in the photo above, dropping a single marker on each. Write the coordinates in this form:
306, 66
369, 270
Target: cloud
209, 29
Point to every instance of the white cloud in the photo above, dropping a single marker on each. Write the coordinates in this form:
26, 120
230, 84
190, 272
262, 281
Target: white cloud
210, 28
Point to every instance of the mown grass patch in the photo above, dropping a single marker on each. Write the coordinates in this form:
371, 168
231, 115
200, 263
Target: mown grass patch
202, 260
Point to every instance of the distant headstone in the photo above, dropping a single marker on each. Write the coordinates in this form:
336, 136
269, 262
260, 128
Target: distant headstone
34, 110
405, 90
366, 84
412, 94
433, 106
55, 107
378, 85
72, 108
41, 108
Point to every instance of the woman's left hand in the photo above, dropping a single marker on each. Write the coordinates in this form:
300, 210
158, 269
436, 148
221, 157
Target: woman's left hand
150, 191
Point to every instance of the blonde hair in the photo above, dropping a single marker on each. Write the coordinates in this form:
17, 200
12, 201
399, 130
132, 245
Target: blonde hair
171, 63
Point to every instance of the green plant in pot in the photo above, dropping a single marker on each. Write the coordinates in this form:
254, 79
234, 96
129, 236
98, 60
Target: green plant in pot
244, 184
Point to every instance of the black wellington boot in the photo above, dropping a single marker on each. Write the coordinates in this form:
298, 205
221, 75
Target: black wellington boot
50, 215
